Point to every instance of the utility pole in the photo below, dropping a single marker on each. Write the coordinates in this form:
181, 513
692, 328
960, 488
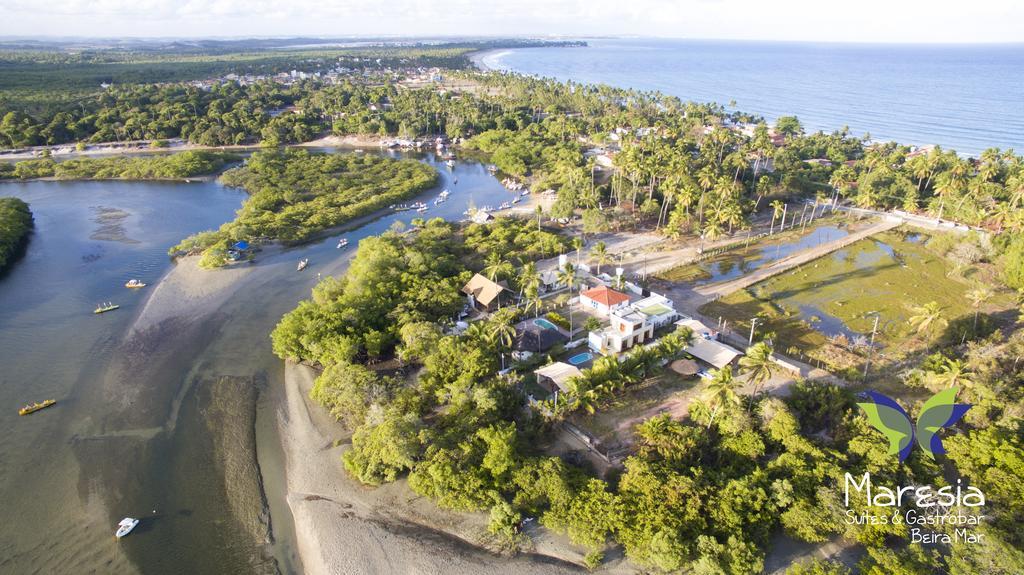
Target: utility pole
871, 345
753, 322
785, 207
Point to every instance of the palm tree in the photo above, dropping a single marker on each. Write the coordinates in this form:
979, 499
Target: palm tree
777, 211
500, 328
978, 296
577, 244
722, 391
528, 277
712, 231
495, 266
501, 332
759, 364
953, 373
599, 253
926, 317
567, 276
476, 331
533, 301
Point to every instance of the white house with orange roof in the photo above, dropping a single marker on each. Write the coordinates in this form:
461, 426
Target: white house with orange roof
603, 300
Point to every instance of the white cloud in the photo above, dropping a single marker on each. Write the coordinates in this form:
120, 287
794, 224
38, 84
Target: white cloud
867, 20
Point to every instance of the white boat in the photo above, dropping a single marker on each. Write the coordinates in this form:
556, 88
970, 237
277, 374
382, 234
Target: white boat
134, 284
444, 194
302, 264
421, 209
450, 163
342, 243
125, 526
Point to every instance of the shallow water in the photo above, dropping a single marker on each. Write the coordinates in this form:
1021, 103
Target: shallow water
53, 346
741, 262
61, 468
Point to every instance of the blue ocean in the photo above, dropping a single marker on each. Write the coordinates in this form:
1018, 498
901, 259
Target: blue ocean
962, 97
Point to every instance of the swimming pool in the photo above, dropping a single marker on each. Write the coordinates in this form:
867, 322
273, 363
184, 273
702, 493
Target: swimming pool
541, 322
580, 358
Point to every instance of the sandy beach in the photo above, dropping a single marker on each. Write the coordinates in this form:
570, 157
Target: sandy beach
344, 527
340, 525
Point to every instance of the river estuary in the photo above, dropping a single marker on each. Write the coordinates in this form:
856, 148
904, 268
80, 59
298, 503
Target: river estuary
156, 418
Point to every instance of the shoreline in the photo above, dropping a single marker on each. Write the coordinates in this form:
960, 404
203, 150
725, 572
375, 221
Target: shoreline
395, 530
477, 59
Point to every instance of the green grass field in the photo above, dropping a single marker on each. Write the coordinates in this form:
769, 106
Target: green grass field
885, 275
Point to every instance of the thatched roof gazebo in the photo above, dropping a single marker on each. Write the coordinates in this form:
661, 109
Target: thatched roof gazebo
685, 367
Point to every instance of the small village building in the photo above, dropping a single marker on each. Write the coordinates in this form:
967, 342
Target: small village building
628, 328
485, 294
534, 338
706, 347
603, 300
555, 377
549, 280
660, 310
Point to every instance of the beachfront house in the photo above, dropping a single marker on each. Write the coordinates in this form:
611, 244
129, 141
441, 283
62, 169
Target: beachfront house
603, 300
555, 377
627, 328
660, 310
633, 324
706, 347
485, 294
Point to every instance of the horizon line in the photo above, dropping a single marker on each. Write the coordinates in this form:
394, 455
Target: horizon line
554, 37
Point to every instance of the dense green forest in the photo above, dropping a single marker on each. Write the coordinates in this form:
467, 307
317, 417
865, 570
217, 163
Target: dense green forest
157, 167
43, 78
703, 495
396, 283
294, 194
15, 225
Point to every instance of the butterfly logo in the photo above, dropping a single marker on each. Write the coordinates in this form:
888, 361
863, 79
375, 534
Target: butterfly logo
940, 411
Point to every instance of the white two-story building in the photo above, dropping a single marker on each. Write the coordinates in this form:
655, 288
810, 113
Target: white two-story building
633, 325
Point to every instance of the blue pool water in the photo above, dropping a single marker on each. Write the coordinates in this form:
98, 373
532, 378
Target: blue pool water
541, 322
581, 358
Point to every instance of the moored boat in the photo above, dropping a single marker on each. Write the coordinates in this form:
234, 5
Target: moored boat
125, 526
105, 307
302, 264
342, 243
32, 408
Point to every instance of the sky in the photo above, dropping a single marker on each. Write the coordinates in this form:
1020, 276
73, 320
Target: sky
914, 21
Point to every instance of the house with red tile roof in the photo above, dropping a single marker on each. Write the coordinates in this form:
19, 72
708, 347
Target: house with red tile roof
604, 300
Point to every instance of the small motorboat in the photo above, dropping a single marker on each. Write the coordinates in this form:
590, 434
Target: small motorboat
342, 243
422, 209
125, 526
105, 307
450, 163
36, 407
302, 264
134, 284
